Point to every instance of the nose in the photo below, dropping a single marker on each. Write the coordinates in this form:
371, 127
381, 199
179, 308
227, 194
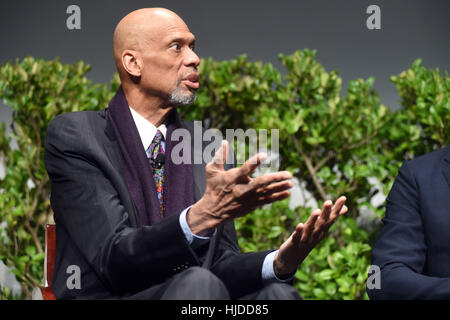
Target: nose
192, 59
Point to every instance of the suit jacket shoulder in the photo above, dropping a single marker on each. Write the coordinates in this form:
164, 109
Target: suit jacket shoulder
413, 247
427, 165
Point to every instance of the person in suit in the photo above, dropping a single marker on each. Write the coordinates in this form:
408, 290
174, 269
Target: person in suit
139, 226
413, 249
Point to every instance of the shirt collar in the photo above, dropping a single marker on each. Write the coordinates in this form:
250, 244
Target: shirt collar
146, 129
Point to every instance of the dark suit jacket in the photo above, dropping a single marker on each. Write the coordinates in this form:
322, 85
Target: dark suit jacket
413, 248
97, 227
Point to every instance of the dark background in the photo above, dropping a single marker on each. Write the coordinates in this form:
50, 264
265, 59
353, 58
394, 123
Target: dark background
225, 29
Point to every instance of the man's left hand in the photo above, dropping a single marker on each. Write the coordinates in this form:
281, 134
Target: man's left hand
306, 236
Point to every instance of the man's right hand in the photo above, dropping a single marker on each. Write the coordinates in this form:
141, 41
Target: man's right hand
233, 193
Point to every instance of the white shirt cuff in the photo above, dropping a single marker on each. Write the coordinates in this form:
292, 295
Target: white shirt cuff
191, 238
268, 273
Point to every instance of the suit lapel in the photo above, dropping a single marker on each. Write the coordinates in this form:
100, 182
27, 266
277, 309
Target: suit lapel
114, 154
198, 170
446, 165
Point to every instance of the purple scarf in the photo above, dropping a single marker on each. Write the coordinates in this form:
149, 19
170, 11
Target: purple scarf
179, 180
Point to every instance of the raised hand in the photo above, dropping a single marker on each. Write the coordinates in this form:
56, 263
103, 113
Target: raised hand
233, 193
306, 236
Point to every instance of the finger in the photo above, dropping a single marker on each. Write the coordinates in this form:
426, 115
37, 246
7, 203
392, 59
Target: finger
270, 178
337, 208
221, 156
272, 198
336, 211
310, 223
274, 187
297, 235
323, 222
343, 210
326, 210
251, 164
255, 188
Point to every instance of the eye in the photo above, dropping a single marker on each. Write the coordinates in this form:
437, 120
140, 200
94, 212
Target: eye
176, 46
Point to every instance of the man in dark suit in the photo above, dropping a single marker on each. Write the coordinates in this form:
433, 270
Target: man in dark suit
136, 224
413, 248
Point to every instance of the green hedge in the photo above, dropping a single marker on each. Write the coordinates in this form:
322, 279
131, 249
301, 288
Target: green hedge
333, 142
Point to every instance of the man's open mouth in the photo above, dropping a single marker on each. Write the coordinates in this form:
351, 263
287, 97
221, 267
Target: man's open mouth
191, 81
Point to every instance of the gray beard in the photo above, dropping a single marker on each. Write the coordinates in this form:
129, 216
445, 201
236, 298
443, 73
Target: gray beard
178, 97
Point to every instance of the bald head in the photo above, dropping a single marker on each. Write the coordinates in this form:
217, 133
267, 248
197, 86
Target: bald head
139, 28
155, 57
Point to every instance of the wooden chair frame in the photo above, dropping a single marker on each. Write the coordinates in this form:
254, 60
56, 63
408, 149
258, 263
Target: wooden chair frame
46, 292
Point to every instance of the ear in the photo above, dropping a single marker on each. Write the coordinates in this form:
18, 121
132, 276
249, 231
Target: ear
132, 62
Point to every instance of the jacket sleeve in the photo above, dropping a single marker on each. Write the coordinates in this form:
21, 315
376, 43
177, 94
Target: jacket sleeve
87, 205
400, 250
240, 272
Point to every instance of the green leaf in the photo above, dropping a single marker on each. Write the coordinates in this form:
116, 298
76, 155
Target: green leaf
30, 250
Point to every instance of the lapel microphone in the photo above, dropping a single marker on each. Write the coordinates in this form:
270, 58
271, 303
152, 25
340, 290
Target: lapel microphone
159, 161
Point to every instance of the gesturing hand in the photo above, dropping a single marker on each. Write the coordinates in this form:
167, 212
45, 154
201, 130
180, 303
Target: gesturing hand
306, 236
233, 193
